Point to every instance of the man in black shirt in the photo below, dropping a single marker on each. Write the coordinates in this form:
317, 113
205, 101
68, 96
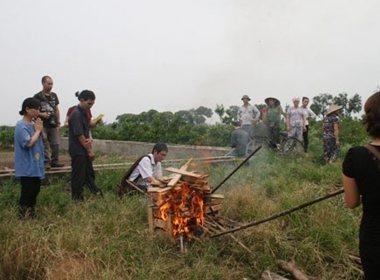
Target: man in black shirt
49, 113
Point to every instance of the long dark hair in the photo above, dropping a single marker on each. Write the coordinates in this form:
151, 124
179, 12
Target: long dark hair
371, 119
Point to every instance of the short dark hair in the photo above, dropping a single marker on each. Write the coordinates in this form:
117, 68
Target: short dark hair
371, 118
44, 79
305, 97
159, 147
86, 95
31, 103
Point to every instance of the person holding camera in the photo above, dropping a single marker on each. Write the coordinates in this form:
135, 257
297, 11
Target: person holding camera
49, 113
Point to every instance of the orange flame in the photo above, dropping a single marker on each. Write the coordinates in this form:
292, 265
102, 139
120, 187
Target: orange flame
186, 207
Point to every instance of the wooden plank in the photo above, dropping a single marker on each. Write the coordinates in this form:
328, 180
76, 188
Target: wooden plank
217, 196
176, 177
182, 172
158, 190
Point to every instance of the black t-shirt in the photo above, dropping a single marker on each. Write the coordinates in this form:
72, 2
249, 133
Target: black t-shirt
48, 104
364, 167
78, 125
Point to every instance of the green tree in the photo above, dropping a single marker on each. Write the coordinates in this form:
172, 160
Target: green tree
354, 105
226, 116
341, 100
321, 103
203, 111
6, 136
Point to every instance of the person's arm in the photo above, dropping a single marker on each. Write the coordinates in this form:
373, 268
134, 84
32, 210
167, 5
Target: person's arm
44, 136
233, 139
57, 115
265, 116
351, 192
304, 122
287, 121
86, 143
312, 114
256, 113
336, 132
239, 115
66, 123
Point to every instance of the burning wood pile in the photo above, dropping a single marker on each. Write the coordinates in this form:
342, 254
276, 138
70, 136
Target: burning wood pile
184, 206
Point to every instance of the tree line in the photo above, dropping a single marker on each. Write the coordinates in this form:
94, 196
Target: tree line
190, 127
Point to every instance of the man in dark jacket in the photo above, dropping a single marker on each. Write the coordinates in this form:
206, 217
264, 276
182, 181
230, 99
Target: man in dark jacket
239, 141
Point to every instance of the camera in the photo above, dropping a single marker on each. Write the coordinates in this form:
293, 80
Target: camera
52, 120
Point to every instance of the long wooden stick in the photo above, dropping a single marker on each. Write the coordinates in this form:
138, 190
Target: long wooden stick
236, 240
236, 169
286, 212
136, 188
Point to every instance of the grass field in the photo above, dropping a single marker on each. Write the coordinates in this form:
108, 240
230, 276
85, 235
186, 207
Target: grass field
108, 238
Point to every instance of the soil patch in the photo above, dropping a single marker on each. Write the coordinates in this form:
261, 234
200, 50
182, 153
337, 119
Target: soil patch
7, 160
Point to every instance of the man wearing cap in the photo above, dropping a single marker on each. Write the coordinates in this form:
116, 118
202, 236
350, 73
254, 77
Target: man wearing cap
330, 129
248, 115
239, 141
272, 118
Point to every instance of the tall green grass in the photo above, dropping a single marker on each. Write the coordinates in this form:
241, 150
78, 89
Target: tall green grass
108, 238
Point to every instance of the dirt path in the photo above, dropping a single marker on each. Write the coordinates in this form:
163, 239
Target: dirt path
7, 160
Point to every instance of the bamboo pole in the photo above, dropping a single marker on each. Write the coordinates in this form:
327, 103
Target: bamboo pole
236, 169
286, 212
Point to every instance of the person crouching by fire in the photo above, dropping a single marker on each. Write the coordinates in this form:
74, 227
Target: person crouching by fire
146, 170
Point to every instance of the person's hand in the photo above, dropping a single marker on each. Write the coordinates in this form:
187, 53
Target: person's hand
155, 182
38, 125
44, 115
337, 143
304, 128
90, 154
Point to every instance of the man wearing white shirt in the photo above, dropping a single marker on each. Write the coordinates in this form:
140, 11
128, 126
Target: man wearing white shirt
248, 115
149, 169
308, 113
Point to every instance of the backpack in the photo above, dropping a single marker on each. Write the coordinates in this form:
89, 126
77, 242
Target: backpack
123, 188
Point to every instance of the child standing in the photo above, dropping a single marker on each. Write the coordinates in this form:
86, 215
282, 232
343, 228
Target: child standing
29, 155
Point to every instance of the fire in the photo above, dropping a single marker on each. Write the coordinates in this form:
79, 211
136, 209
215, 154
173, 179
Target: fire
186, 206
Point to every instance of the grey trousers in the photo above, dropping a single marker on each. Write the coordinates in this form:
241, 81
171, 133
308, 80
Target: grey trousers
53, 138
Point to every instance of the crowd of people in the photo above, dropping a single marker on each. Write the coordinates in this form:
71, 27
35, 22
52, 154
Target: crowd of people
37, 137
296, 121
39, 127
41, 119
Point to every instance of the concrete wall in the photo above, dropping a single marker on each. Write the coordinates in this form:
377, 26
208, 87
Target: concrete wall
136, 149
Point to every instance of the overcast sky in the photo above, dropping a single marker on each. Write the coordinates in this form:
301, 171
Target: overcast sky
172, 55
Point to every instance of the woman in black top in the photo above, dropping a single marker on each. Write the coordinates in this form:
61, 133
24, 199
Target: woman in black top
361, 182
